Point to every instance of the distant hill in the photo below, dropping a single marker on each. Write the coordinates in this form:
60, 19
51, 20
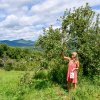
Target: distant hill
18, 43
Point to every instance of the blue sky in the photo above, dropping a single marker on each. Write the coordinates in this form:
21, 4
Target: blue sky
24, 19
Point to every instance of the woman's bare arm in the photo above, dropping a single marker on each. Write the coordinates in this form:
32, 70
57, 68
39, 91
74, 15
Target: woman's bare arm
77, 63
65, 57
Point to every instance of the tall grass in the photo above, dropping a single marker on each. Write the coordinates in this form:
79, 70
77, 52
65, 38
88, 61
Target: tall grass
20, 85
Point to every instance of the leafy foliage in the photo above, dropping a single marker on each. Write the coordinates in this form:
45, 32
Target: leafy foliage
19, 58
84, 34
79, 32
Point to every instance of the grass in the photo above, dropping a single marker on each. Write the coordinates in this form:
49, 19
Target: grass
8, 84
43, 89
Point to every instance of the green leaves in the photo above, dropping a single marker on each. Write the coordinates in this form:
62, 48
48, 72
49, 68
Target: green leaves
79, 32
50, 43
84, 37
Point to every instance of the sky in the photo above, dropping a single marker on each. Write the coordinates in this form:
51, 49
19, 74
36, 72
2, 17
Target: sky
25, 19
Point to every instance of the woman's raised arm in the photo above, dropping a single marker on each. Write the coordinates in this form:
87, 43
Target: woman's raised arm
65, 57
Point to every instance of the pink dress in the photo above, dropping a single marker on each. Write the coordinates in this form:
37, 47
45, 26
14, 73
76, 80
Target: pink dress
71, 66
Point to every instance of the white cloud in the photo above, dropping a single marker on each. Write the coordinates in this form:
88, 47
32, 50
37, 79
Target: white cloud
26, 18
25, 33
15, 3
97, 11
48, 4
10, 21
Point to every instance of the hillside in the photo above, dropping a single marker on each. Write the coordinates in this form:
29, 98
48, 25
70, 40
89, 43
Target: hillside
19, 43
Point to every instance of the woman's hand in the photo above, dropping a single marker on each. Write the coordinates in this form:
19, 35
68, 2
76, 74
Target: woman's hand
65, 58
74, 69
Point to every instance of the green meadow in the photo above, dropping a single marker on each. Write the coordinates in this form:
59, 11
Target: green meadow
42, 89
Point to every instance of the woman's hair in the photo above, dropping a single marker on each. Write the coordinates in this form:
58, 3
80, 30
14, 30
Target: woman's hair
76, 55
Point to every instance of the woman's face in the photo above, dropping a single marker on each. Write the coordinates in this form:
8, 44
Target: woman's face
74, 55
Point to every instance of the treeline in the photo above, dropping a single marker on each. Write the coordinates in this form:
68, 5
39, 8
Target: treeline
13, 53
12, 58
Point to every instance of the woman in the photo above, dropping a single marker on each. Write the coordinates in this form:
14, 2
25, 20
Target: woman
73, 65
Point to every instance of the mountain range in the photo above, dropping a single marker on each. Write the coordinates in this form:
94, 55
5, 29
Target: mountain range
18, 43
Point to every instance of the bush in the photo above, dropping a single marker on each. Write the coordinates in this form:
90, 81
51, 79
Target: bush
9, 64
23, 85
1, 63
58, 74
42, 74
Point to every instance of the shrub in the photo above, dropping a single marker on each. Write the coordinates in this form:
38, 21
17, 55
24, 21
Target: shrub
42, 74
1, 63
58, 74
9, 64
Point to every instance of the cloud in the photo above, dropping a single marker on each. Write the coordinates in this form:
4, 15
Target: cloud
25, 33
26, 18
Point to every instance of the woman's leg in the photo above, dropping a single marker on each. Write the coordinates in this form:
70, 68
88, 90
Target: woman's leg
74, 85
69, 86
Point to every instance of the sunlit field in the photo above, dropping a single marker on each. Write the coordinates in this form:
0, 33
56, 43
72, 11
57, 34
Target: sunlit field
39, 89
